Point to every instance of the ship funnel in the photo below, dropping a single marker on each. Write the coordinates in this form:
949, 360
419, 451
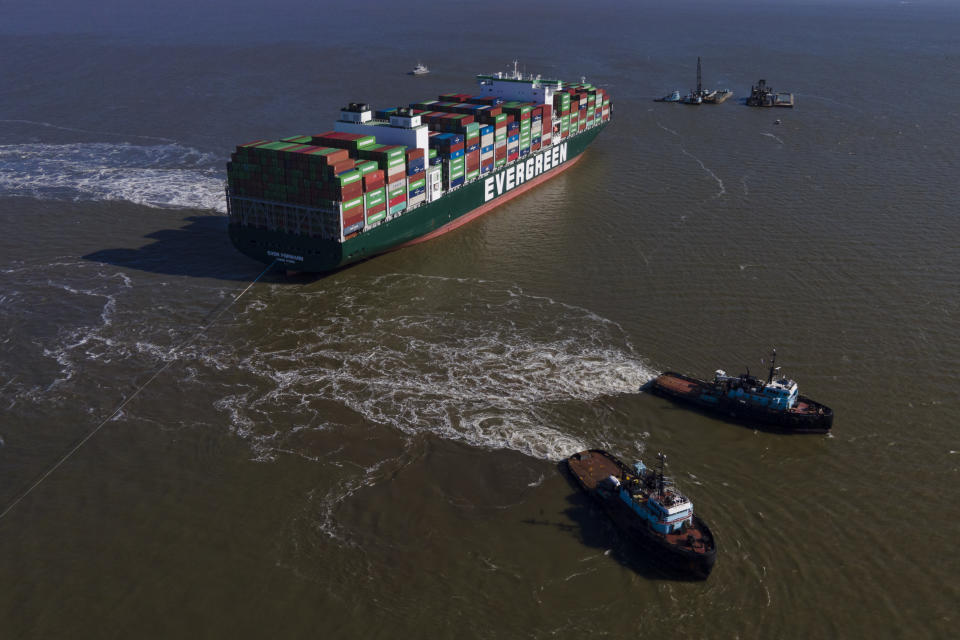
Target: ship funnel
356, 112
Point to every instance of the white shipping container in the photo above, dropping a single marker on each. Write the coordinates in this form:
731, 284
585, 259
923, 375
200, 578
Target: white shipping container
434, 183
416, 200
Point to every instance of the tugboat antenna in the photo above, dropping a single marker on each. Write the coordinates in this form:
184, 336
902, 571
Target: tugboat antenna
773, 363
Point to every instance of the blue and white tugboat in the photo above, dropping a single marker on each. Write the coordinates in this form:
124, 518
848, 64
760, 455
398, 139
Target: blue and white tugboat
774, 403
673, 97
646, 506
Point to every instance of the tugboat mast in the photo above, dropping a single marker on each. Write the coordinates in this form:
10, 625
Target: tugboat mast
773, 363
699, 83
662, 458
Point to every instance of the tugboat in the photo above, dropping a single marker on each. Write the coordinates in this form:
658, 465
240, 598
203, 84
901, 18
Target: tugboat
770, 403
645, 505
673, 97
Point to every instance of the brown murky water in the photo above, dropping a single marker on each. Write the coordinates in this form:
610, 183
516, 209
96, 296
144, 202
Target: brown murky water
375, 453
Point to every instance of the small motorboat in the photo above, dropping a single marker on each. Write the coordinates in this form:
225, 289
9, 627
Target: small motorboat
419, 70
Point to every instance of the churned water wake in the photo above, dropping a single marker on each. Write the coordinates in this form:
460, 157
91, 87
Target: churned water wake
164, 175
479, 362
463, 359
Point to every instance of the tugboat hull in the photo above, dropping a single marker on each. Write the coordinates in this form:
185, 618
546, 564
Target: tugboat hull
807, 416
590, 468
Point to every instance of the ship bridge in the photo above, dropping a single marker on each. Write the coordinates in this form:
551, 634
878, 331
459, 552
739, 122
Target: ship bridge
519, 86
777, 394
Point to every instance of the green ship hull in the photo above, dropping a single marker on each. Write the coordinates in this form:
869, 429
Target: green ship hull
313, 254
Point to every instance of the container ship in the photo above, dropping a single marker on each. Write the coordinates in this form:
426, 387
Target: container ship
384, 179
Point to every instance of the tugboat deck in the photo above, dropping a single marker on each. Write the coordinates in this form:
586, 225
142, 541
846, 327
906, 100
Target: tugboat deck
590, 467
806, 407
678, 385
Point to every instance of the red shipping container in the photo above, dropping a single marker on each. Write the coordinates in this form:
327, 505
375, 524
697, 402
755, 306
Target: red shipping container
417, 176
400, 199
351, 191
500, 153
375, 209
373, 180
331, 158
473, 160
353, 216
340, 167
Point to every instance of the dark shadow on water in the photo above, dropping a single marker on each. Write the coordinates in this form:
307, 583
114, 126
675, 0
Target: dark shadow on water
596, 530
200, 248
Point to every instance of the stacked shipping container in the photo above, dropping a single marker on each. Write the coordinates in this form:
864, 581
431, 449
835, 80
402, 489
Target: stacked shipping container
356, 183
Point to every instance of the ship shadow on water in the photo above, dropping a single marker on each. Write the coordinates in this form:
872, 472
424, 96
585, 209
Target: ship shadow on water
597, 531
200, 248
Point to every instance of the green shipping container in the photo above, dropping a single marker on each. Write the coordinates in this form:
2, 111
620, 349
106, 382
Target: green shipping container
350, 204
373, 198
377, 217
347, 177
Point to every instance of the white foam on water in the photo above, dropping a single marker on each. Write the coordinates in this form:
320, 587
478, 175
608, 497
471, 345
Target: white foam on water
469, 360
722, 188
163, 176
490, 370
50, 125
